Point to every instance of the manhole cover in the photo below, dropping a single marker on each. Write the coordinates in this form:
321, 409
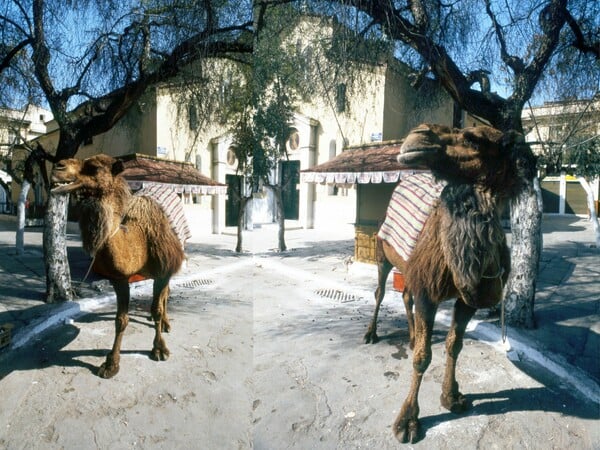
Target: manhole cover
196, 283
338, 295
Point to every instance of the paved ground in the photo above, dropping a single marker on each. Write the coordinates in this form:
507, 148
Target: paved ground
321, 316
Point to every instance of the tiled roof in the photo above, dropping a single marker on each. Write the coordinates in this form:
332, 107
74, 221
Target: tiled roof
142, 170
370, 163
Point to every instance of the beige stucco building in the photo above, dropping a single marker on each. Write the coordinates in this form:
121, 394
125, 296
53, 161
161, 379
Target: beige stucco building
17, 126
182, 121
553, 126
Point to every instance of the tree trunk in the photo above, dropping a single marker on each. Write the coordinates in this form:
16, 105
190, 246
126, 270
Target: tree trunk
526, 247
240, 223
591, 208
58, 275
21, 204
277, 190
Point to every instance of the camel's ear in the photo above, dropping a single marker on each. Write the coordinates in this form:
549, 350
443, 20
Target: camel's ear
483, 136
423, 137
512, 137
515, 145
117, 167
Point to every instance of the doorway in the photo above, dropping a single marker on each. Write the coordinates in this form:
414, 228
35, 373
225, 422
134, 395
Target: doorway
232, 204
290, 177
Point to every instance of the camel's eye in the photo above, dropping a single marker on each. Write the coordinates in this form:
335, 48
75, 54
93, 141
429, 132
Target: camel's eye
471, 145
89, 168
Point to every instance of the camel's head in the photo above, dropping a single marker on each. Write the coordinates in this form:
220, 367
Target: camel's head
480, 155
92, 176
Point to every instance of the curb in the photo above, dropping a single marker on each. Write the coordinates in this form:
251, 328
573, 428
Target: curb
62, 314
521, 348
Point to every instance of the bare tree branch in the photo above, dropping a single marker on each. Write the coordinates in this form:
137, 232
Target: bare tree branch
580, 41
6, 61
41, 59
516, 64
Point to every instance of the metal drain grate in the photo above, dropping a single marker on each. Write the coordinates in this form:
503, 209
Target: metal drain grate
336, 294
196, 283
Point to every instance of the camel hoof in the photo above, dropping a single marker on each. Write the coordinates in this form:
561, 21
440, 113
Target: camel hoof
371, 337
166, 327
159, 354
407, 430
107, 370
456, 404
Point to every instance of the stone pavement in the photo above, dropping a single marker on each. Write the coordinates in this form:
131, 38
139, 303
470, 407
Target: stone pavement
566, 339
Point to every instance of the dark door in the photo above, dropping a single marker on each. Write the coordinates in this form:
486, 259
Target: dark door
290, 177
232, 204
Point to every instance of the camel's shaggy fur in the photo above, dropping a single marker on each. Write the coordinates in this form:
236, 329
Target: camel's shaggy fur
126, 235
461, 252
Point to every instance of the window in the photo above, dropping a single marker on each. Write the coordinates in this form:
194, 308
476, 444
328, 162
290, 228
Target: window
294, 140
12, 137
193, 116
340, 97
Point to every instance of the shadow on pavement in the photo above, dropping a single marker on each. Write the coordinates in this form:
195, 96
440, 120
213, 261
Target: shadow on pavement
343, 329
212, 251
46, 353
51, 352
513, 400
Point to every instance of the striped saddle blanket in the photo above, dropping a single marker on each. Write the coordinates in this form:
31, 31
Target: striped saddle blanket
172, 205
408, 210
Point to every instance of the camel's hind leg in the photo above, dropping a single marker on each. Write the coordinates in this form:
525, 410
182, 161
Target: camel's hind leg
160, 295
451, 398
383, 270
166, 325
406, 426
410, 318
111, 366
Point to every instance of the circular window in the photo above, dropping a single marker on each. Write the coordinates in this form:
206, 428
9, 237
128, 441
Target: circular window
231, 158
294, 140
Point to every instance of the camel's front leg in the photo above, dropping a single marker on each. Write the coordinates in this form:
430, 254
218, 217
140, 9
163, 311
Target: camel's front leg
383, 270
451, 398
410, 318
110, 367
406, 426
160, 352
166, 325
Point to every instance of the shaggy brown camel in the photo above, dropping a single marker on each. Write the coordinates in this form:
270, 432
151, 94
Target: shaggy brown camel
126, 235
461, 252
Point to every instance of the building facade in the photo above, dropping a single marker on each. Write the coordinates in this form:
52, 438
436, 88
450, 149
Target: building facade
552, 129
16, 127
182, 121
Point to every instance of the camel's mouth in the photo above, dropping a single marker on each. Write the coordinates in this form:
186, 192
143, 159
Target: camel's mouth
417, 157
64, 188
63, 179
60, 186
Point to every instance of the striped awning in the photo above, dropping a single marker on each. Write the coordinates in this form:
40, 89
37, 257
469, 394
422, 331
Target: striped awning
369, 163
142, 171
200, 189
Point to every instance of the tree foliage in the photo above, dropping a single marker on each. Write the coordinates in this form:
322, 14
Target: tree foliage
91, 61
584, 157
490, 57
90, 78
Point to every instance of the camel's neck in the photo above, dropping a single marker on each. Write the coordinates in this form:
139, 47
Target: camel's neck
488, 202
100, 217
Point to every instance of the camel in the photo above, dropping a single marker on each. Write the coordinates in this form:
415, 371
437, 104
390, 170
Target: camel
126, 235
461, 251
